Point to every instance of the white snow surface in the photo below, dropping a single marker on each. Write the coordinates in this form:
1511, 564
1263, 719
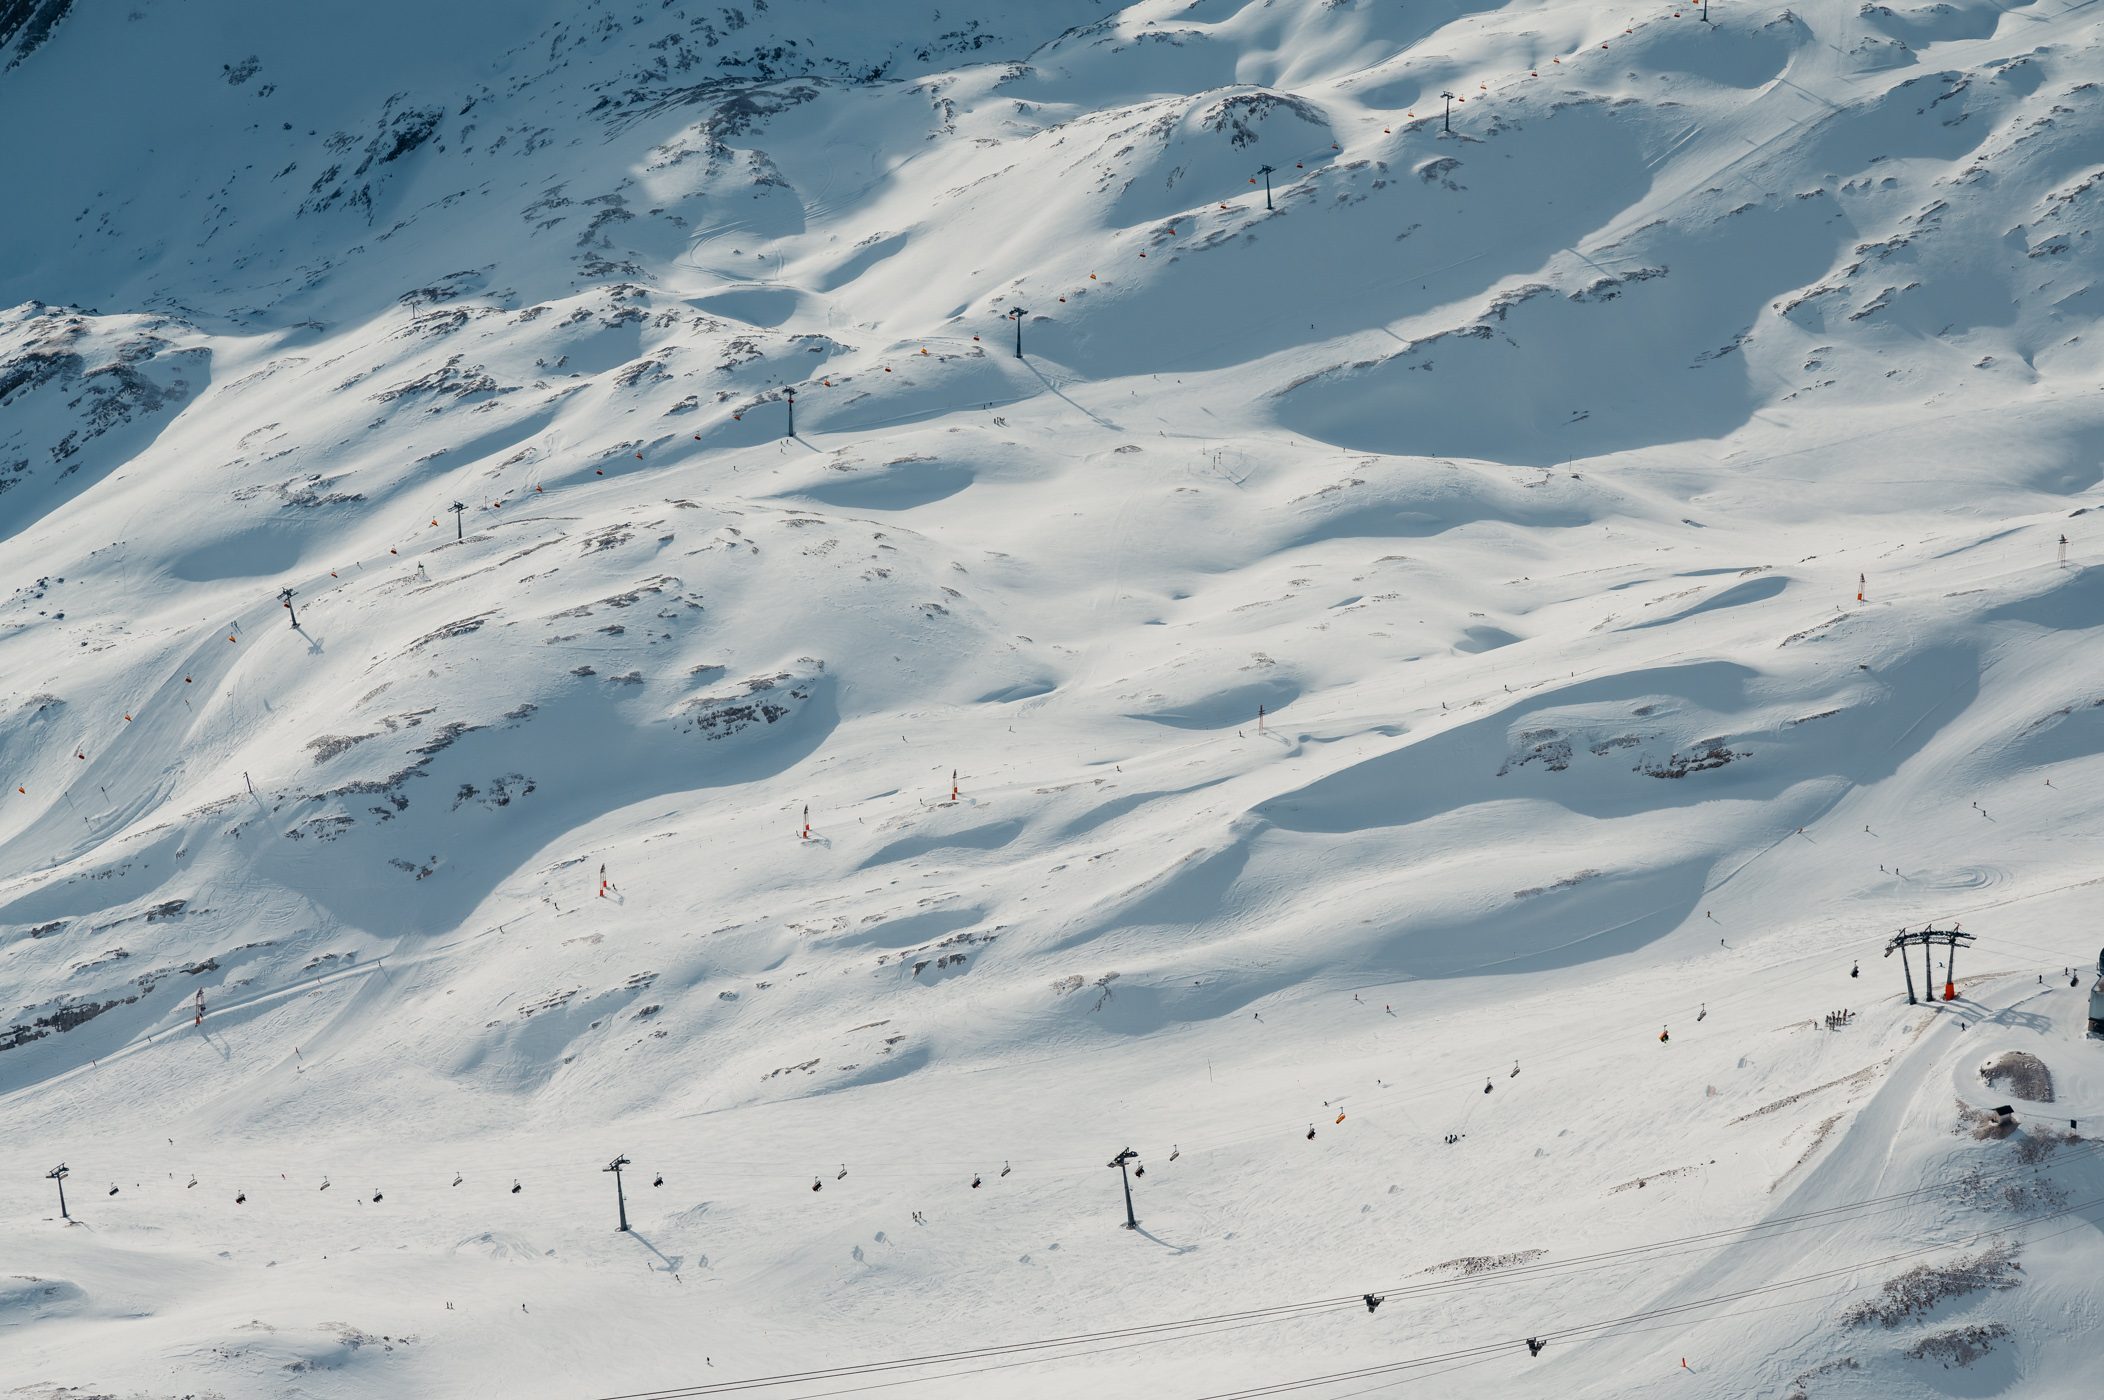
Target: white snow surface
1522, 473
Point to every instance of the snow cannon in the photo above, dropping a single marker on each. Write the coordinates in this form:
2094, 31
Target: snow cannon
2096, 1000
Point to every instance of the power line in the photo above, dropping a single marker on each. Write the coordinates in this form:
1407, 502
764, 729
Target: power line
729, 1171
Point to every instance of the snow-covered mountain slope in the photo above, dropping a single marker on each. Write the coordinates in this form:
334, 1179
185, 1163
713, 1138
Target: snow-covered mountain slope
1405, 643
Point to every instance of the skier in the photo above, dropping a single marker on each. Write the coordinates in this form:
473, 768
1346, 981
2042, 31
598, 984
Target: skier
1663, 1037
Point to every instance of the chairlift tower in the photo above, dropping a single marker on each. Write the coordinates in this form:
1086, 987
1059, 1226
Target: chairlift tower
620, 1198
59, 1174
285, 597
1016, 314
1121, 1162
459, 510
1927, 938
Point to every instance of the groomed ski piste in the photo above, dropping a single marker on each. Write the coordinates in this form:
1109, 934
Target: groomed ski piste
1455, 670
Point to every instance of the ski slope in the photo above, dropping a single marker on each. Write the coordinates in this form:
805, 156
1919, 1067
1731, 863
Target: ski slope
1459, 657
